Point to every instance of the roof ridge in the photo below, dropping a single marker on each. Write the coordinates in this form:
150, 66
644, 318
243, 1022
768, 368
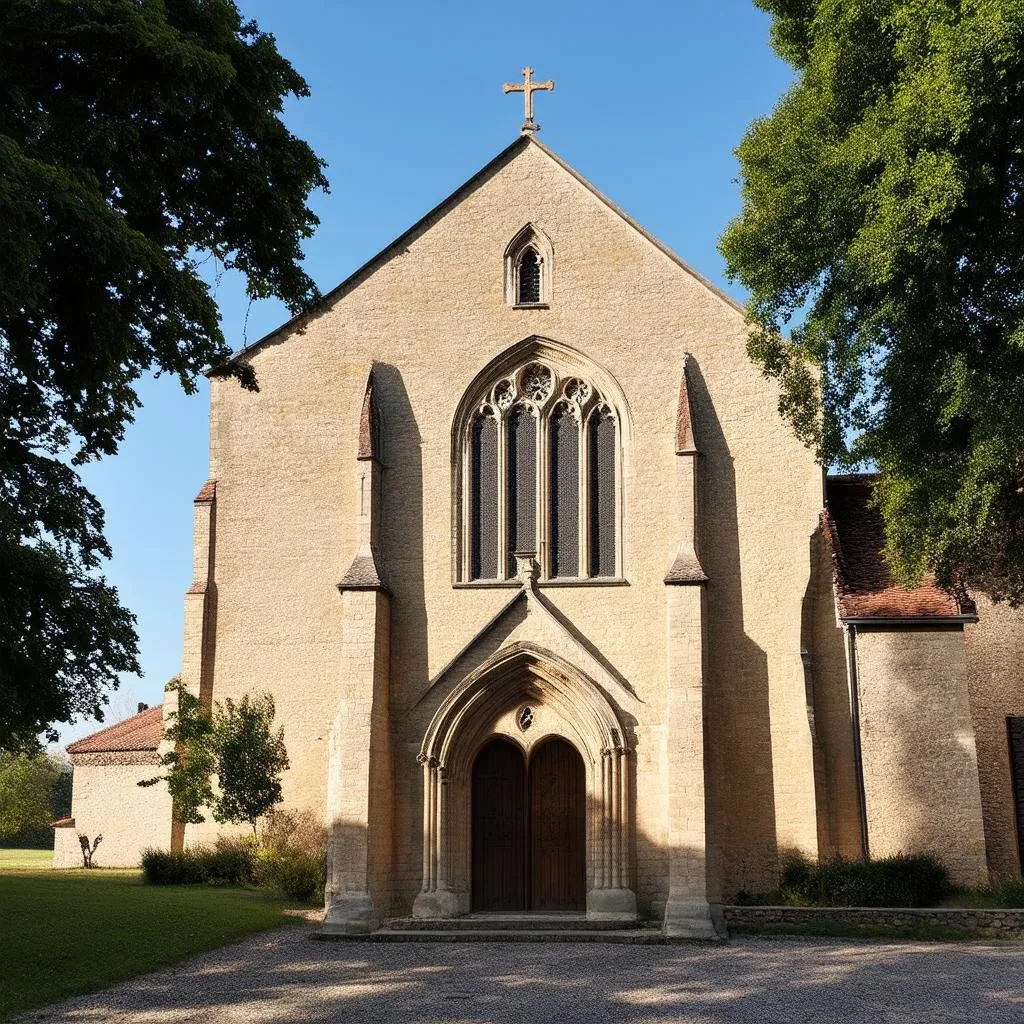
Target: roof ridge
75, 747
338, 290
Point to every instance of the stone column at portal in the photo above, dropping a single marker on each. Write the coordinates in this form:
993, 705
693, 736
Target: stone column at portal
437, 898
611, 896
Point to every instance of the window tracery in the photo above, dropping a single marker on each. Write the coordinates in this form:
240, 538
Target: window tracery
529, 267
541, 456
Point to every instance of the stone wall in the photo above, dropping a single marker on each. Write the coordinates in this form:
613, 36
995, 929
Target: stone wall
995, 679
107, 800
1003, 923
918, 750
67, 853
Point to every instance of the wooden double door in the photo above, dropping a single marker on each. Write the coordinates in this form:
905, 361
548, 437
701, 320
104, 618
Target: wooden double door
529, 828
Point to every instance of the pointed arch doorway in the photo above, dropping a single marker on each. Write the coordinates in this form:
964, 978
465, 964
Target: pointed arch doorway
528, 828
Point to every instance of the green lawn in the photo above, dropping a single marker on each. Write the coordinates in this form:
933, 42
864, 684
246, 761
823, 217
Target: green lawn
19, 860
64, 933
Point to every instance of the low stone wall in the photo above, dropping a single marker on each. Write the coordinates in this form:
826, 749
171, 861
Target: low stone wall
1003, 923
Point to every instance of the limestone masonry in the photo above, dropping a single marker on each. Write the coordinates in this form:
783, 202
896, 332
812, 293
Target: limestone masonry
556, 612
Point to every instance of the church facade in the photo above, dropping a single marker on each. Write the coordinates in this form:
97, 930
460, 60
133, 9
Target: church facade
556, 612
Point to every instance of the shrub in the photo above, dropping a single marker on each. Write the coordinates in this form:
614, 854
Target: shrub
1004, 892
1008, 891
292, 856
228, 862
164, 867
900, 881
232, 861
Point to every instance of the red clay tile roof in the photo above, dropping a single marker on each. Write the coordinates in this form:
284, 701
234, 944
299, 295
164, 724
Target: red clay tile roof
208, 492
140, 732
864, 584
63, 823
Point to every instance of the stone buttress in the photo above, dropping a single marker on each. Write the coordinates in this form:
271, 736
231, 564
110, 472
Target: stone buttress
687, 913
359, 784
199, 644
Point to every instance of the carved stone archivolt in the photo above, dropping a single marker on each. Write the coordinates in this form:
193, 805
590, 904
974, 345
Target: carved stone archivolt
516, 675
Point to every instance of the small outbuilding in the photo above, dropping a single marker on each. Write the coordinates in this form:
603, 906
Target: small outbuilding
107, 800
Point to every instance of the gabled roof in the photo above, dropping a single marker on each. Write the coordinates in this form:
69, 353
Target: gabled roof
864, 585
140, 732
403, 240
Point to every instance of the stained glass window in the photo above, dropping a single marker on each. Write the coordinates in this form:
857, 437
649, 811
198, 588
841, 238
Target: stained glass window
565, 494
522, 483
484, 499
602, 493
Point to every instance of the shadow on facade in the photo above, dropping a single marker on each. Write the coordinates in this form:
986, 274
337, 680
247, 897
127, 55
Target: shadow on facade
402, 557
994, 650
822, 641
402, 529
741, 823
644, 863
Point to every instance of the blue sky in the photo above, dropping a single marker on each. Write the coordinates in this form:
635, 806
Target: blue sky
650, 101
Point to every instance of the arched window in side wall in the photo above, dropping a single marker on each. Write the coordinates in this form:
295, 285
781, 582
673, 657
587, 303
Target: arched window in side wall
541, 457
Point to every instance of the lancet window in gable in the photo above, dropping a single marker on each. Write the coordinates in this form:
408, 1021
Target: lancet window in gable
529, 266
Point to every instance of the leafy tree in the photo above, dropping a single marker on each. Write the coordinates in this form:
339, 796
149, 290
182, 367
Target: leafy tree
251, 758
138, 138
236, 742
60, 802
27, 784
883, 216
192, 760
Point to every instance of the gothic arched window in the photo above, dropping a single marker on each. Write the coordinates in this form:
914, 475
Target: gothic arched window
529, 278
541, 465
529, 262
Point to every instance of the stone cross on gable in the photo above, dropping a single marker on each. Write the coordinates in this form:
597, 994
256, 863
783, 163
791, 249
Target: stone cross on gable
528, 88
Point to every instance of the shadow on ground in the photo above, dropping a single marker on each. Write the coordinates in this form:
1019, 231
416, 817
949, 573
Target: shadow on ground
284, 978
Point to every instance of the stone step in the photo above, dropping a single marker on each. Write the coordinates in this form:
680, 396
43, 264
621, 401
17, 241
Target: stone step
631, 936
513, 922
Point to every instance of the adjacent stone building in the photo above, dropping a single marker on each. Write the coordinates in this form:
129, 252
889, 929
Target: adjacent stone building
556, 612
107, 799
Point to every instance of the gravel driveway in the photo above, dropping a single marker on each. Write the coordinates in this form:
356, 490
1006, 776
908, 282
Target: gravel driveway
282, 976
